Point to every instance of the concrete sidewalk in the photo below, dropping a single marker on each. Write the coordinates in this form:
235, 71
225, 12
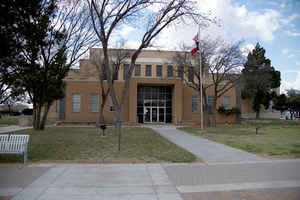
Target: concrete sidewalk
204, 149
154, 181
102, 181
9, 129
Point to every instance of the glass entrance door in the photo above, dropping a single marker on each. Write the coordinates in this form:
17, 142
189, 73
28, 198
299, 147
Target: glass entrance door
154, 104
154, 115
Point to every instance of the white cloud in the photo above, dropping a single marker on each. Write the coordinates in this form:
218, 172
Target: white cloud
132, 44
298, 63
289, 84
291, 56
289, 19
285, 51
125, 30
290, 53
247, 49
293, 33
236, 22
239, 22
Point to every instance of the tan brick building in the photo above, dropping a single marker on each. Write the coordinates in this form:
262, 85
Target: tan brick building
157, 93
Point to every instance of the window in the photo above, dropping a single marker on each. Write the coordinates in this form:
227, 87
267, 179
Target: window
210, 103
148, 70
103, 73
76, 103
125, 71
158, 70
170, 71
137, 70
94, 103
194, 104
191, 74
115, 73
226, 102
57, 105
111, 105
180, 72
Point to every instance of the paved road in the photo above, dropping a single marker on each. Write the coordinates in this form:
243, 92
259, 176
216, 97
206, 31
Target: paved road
240, 181
9, 129
206, 150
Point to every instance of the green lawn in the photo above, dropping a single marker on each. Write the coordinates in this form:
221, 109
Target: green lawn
85, 144
276, 138
9, 120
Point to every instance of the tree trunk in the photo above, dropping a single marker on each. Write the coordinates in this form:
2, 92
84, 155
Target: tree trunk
257, 115
215, 112
37, 116
118, 128
44, 119
101, 112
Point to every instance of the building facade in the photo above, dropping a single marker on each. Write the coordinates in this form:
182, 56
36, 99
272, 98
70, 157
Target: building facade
157, 93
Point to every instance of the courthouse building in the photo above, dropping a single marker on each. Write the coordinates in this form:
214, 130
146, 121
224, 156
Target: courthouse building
157, 93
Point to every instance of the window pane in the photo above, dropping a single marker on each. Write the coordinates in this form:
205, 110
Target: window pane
75, 103
191, 74
57, 105
111, 105
158, 70
137, 70
115, 73
210, 102
180, 72
170, 70
104, 76
125, 71
94, 103
194, 104
148, 70
226, 102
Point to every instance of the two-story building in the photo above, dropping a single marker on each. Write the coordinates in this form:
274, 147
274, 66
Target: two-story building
157, 93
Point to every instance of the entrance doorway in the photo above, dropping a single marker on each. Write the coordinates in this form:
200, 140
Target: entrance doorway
155, 115
154, 104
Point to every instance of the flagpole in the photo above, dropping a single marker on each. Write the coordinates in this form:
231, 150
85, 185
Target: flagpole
200, 74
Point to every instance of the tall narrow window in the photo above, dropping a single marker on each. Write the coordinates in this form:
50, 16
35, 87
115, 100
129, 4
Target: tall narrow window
191, 74
94, 103
76, 103
148, 70
137, 71
170, 71
103, 73
180, 72
125, 71
194, 104
111, 105
58, 105
226, 102
115, 73
210, 103
158, 70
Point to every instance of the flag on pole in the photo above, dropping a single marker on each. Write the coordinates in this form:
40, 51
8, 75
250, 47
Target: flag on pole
195, 50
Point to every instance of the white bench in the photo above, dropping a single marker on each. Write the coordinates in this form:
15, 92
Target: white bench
14, 144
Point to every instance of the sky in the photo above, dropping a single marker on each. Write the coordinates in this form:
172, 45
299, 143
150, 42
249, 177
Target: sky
275, 24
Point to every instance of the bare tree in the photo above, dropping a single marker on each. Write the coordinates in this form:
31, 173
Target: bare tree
108, 15
187, 65
221, 61
117, 59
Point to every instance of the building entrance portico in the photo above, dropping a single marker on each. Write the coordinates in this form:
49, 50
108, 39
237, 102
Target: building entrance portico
154, 104
154, 115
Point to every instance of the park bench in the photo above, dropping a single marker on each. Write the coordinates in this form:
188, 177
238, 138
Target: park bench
14, 144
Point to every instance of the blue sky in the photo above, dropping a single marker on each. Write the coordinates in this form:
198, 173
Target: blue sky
275, 24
